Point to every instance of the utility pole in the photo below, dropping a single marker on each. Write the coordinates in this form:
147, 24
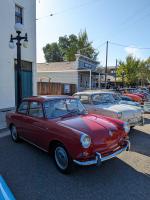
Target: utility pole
106, 65
116, 72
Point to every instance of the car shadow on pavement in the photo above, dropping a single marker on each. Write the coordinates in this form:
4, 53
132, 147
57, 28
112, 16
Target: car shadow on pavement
31, 174
140, 142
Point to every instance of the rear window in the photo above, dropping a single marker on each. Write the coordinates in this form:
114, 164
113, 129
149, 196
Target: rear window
23, 107
36, 110
84, 99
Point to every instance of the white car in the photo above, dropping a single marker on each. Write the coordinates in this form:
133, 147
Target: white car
103, 103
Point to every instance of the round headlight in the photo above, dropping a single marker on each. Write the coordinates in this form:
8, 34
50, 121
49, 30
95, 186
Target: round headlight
85, 141
126, 127
119, 115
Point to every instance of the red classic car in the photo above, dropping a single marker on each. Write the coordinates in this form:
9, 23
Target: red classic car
134, 97
60, 125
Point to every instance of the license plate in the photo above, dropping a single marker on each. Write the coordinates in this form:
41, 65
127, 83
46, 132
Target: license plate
135, 120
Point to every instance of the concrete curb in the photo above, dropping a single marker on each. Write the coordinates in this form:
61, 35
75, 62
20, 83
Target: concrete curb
3, 130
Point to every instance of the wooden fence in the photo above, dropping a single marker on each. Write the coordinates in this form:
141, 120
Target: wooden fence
49, 88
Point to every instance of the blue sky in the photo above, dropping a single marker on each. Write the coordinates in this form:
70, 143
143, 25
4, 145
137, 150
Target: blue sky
120, 21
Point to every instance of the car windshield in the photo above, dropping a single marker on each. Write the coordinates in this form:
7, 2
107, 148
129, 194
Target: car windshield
62, 107
116, 97
103, 98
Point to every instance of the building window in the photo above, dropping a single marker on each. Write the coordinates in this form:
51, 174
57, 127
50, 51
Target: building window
18, 14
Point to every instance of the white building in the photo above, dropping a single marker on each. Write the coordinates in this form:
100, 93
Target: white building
12, 12
81, 72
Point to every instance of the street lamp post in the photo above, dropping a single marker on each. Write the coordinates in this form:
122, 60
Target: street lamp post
18, 38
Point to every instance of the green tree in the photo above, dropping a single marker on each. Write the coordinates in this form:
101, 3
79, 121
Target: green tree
130, 67
52, 53
144, 72
68, 46
85, 47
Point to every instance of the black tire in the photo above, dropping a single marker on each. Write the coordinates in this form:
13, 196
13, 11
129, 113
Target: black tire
14, 134
62, 159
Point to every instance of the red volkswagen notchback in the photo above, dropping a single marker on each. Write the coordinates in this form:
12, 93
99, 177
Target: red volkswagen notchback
60, 125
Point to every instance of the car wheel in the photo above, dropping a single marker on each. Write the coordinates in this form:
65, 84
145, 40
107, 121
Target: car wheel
14, 134
62, 159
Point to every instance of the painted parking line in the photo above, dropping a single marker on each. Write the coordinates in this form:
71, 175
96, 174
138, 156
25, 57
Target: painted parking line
5, 193
5, 134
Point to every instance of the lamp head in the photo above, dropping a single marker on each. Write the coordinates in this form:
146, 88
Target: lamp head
11, 43
19, 27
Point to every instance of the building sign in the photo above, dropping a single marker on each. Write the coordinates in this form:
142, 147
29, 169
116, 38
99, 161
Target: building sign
66, 88
87, 64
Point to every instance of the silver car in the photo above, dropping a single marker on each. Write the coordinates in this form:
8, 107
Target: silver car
103, 103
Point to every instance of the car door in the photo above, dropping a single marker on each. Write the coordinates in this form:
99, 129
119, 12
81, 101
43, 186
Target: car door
36, 123
20, 118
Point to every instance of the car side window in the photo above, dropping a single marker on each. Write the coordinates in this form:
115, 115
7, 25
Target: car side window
36, 109
84, 99
23, 107
76, 96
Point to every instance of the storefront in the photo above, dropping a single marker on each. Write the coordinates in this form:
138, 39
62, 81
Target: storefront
81, 72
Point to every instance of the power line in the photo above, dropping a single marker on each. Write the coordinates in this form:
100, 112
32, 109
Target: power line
132, 47
102, 44
130, 19
69, 9
133, 15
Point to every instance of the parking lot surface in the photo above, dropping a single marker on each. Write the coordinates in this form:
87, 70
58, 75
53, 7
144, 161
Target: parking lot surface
31, 174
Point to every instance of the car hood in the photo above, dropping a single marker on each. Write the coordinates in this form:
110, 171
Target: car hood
117, 107
100, 129
88, 123
132, 103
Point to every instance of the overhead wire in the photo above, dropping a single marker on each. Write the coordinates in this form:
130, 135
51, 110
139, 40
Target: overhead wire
130, 19
70, 9
132, 47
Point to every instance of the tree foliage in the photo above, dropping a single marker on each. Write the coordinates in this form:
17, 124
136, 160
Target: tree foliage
137, 72
68, 46
52, 53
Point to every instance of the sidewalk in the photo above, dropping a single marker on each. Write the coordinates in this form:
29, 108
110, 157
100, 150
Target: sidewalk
4, 133
3, 125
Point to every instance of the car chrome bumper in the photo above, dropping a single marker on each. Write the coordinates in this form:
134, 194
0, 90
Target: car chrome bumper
137, 122
99, 159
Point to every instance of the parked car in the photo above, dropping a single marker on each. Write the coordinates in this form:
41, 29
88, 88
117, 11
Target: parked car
125, 100
134, 97
103, 103
61, 126
145, 94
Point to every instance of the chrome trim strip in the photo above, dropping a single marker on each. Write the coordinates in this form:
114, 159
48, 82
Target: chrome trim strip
99, 158
33, 144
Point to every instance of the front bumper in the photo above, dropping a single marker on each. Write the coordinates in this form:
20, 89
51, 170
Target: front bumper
136, 122
99, 159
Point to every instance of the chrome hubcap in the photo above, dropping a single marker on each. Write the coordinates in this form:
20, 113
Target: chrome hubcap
61, 158
14, 133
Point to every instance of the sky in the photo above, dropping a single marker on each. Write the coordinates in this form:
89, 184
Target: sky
125, 22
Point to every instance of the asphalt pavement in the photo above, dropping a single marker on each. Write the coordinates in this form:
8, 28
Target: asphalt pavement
31, 174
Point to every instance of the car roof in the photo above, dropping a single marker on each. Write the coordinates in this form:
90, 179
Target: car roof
46, 98
94, 92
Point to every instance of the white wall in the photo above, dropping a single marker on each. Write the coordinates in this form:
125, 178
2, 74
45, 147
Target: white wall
7, 55
59, 77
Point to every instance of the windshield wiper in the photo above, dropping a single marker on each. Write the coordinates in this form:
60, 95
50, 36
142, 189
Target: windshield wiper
73, 112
